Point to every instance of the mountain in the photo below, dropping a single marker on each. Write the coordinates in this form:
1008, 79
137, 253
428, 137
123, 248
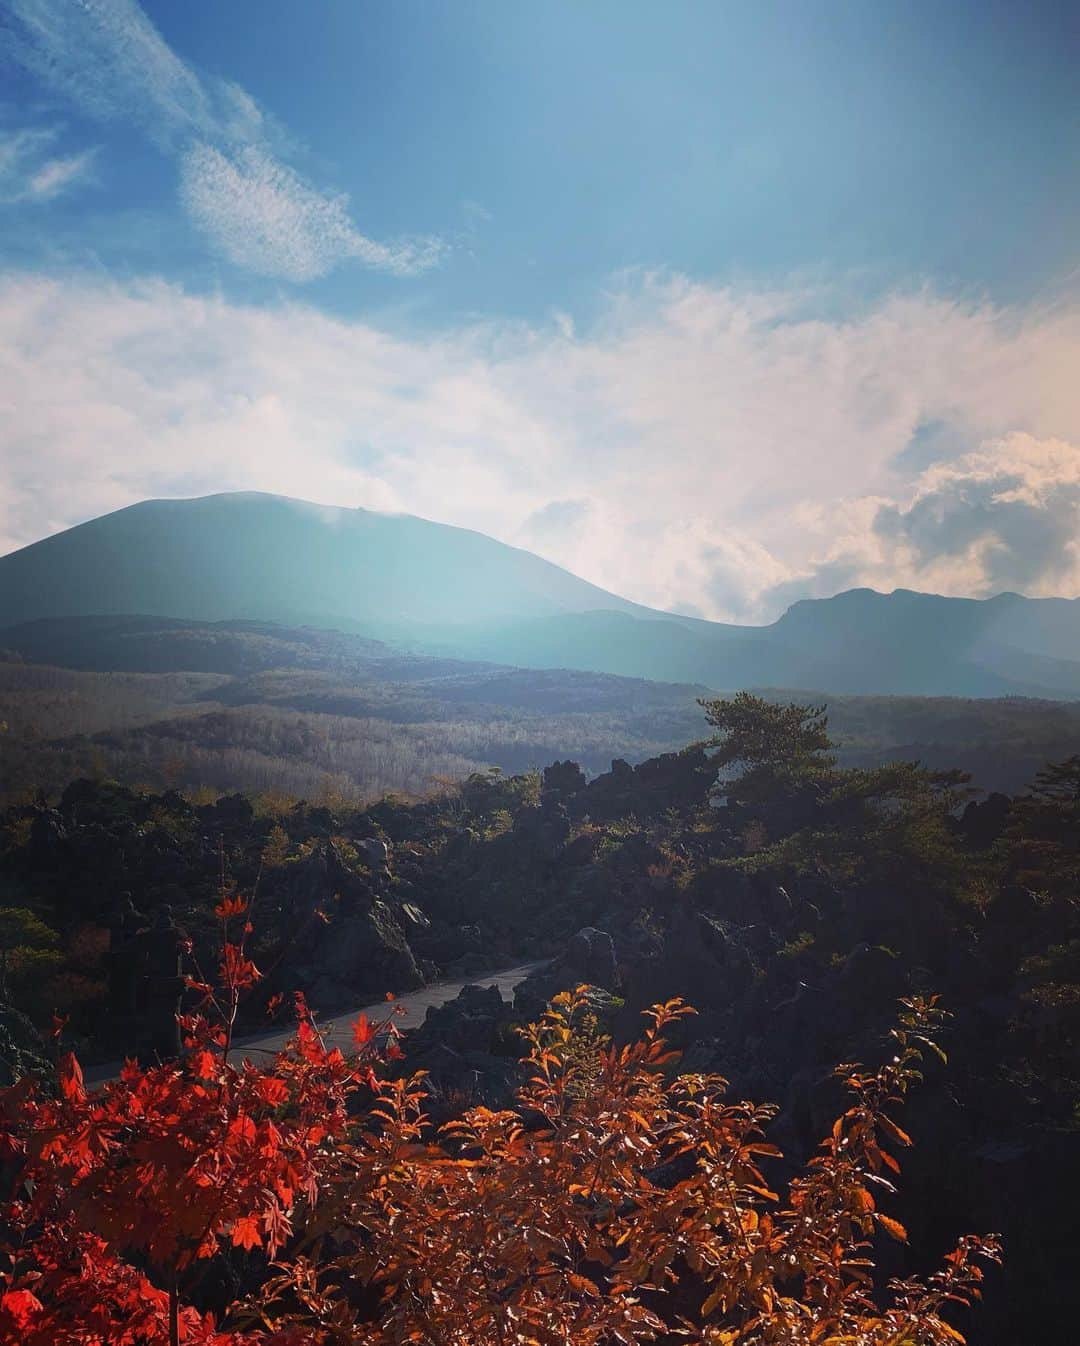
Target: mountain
268, 557
455, 593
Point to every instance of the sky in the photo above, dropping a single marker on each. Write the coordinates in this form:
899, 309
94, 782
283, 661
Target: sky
718, 305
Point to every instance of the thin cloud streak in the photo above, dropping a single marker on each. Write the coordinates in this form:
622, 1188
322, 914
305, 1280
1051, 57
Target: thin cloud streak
711, 450
30, 172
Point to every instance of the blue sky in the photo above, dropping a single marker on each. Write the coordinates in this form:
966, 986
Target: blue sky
522, 217
550, 145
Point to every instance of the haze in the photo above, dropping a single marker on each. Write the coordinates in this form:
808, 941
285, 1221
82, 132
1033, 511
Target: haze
716, 307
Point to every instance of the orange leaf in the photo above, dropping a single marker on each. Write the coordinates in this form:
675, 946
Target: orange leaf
362, 1031
892, 1227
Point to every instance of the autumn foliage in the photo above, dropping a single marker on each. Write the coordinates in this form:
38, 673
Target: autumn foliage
305, 1200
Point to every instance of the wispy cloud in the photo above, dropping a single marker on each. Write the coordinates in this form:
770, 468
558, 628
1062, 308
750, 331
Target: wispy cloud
263, 216
31, 172
109, 60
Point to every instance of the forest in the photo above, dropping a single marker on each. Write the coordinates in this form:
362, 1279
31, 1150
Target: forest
805, 909
330, 716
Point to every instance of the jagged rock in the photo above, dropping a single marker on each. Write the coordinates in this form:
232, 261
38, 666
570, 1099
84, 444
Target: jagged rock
230, 813
46, 829
982, 823
362, 955
413, 916
701, 958
468, 965
590, 955
446, 944
589, 958
545, 829
563, 779
316, 821
22, 1050
870, 975
461, 842
582, 850
377, 854
672, 780
470, 1022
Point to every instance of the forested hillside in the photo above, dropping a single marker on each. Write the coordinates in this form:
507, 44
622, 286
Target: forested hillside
328, 715
790, 899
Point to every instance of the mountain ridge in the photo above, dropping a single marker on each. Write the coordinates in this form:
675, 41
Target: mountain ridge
458, 593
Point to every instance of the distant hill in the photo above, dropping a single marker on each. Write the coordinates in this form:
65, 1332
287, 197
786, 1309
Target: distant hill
317, 713
454, 593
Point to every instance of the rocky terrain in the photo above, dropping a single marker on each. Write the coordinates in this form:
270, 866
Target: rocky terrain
791, 900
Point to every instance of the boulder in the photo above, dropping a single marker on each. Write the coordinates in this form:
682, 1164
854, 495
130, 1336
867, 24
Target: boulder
706, 961
445, 943
590, 955
588, 959
468, 1023
364, 954
377, 854
544, 829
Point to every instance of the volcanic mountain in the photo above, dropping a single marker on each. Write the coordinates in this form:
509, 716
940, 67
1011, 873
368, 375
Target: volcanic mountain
448, 590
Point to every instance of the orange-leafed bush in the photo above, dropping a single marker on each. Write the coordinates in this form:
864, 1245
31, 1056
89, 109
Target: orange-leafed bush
306, 1201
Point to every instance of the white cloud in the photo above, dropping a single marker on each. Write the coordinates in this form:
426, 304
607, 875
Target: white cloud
262, 216
1006, 516
31, 172
711, 450
109, 60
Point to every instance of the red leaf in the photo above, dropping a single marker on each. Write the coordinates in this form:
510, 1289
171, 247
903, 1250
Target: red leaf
272, 1091
204, 1065
71, 1079
245, 1232
241, 1129
362, 1031
21, 1306
236, 970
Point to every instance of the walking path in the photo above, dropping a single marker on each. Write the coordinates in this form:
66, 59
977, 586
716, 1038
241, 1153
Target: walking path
336, 1029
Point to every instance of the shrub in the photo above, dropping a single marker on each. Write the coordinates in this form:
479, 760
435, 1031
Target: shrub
307, 1201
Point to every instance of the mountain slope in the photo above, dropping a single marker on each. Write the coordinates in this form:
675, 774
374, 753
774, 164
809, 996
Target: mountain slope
458, 594
269, 557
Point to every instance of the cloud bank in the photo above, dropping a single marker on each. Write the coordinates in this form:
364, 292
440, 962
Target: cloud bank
712, 450
107, 59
